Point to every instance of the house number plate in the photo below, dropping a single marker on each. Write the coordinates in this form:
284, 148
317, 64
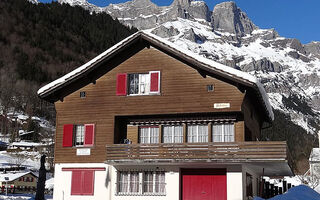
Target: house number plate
221, 105
83, 152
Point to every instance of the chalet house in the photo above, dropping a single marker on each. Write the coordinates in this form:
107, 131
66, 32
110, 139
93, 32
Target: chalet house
18, 182
146, 119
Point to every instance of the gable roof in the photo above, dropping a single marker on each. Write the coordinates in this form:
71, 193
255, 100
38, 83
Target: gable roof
92, 70
13, 176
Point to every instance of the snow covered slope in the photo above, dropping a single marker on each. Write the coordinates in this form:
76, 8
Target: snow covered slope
289, 70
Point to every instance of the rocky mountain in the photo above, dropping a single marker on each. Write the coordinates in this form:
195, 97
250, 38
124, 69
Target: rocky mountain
288, 69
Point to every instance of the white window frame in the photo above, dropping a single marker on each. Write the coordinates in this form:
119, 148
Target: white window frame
140, 84
79, 135
148, 140
141, 184
197, 133
223, 134
128, 182
173, 133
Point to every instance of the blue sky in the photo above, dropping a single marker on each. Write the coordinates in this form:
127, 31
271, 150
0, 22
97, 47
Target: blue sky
291, 18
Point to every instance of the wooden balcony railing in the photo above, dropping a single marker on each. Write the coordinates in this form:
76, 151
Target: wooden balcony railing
219, 152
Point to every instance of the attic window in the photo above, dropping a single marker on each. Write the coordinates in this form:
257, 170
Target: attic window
210, 88
83, 94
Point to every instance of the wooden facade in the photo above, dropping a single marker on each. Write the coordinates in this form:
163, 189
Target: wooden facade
183, 92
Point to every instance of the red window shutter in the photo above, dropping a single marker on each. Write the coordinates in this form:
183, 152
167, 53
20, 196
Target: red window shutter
121, 84
76, 183
87, 182
89, 135
154, 81
67, 135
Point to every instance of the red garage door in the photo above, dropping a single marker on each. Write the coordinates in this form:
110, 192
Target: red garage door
204, 184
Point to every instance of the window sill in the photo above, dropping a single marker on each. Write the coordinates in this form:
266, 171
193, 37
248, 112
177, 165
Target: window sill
150, 94
140, 194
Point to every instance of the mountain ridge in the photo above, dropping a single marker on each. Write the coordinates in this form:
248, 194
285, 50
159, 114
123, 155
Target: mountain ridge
288, 69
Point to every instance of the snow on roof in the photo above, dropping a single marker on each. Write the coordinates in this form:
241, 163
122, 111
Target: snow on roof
231, 72
84, 67
315, 155
25, 144
13, 176
300, 192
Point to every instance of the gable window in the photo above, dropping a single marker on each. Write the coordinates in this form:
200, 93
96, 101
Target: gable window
172, 134
141, 183
138, 83
78, 135
149, 134
223, 132
198, 133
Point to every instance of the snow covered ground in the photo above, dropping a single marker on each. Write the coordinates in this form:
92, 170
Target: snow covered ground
30, 160
22, 197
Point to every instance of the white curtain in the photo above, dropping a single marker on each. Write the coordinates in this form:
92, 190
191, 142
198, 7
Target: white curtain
123, 182
154, 134
173, 134
134, 182
223, 132
160, 182
229, 132
144, 135
149, 135
217, 132
79, 134
144, 86
148, 182
198, 133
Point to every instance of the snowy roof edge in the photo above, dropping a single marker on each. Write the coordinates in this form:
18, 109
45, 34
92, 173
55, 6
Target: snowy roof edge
209, 63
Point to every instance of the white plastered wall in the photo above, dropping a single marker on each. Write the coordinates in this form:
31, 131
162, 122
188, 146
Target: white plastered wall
105, 182
234, 182
62, 182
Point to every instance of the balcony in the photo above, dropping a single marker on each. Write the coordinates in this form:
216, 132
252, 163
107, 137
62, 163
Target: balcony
234, 152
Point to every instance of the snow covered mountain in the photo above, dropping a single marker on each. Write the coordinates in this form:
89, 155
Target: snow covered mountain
33, 1
289, 70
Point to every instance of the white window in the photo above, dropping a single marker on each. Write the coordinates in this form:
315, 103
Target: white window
223, 132
79, 136
173, 134
153, 183
198, 133
139, 84
128, 183
149, 134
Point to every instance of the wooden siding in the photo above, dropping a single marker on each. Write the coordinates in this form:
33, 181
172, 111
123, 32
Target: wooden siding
183, 90
227, 152
252, 119
132, 134
239, 131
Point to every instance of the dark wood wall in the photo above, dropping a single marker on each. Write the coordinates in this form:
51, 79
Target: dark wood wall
183, 90
252, 118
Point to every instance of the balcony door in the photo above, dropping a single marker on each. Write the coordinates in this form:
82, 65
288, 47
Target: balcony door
203, 184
